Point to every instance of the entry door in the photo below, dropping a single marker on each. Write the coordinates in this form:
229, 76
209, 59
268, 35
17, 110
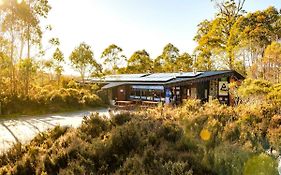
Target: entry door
121, 93
203, 91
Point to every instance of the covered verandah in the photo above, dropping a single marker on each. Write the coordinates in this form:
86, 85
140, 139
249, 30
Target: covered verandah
130, 96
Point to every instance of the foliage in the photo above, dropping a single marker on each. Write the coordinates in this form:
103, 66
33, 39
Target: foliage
261, 164
237, 40
258, 91
27, 82
272, 62
149, 142
213, 36
82, 59
27, 67
194, 138
20, 30
254, 90
111, 56
165, 62
184, 63
99, 146
58, 59
43, 100
139, 62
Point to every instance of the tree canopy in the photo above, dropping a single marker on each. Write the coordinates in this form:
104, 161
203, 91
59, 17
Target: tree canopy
235, 39
82, 59
139, 62
112, 57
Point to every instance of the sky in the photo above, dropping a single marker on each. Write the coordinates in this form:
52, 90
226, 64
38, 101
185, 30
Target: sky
132, 24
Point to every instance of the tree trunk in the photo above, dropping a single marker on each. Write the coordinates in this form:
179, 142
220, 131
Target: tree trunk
12, 65
83, 78
27, 82
28, 41
21, 48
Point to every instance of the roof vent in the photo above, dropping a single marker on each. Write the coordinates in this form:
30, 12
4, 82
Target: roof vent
181, 71
194, 71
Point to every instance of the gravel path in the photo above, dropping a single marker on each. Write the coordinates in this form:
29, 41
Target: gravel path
23, 129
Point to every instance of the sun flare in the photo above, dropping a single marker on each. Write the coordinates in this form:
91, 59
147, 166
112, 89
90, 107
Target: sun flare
205, 135
19, 1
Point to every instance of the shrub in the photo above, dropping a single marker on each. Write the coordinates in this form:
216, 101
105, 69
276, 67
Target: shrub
274, 132
171, 132
125, 139
254, 91
72, 97
92, 100
93, 126
56, 98
228, 159
149, 142
191, 105
121, 118
261, 164
49, 100
132, 165
177, 168
231, 132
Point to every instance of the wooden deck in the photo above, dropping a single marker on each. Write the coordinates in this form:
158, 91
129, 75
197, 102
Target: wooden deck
130, 105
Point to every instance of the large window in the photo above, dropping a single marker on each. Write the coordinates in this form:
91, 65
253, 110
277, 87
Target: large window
135, 94
149, 93
159, 96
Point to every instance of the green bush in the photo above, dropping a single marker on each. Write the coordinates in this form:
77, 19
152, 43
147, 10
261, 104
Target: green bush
125, 138
92, 100
43, 100
147, 142
93, 126
121, 118
132, 165
171, 132
56, 98
261, 165
177, 168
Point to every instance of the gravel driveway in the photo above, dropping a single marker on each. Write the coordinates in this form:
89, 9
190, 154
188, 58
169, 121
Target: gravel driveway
23, 129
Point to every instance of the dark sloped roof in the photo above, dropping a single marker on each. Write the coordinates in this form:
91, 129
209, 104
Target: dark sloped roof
155, 77
209, 75
111, 85
166, 79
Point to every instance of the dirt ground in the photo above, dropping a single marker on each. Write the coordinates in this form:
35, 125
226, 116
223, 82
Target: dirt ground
23, 129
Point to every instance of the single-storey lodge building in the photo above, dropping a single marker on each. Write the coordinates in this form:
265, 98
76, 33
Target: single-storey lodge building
170, 88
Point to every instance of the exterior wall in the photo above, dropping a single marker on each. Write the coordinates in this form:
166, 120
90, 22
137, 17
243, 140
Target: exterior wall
213, 89
189, 92
118, 93
195, 91
121, 93
114, 93
205, 91
209, 90
110, 96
